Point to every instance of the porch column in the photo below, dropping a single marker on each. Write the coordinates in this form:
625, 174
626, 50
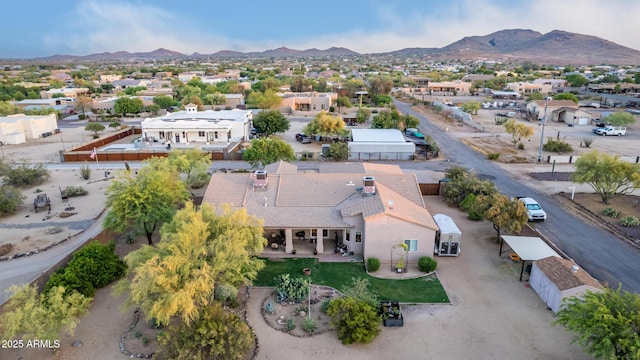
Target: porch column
320, 242
288, 240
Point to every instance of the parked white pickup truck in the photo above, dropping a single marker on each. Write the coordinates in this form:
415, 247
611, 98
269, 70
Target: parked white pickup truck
534, 210
611, 130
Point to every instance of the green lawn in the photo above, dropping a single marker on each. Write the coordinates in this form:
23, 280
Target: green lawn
336, 275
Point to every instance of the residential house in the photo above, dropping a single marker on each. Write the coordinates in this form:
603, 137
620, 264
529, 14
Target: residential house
66, 92
551, 109
123, 84
360, 208
308, 101
528, 88
459, 88
109, 78
205, 127
18, 128
188, 75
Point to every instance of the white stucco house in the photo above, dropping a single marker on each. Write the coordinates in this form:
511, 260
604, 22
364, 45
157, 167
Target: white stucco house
193, 126
17, 129
360, 208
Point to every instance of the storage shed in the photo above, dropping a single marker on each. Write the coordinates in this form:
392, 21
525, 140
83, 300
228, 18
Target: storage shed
448, 236
380, 144
554, 278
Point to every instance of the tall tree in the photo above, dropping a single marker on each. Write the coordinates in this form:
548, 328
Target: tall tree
325, 124
518, 130
503, 212
193, 163
300, 84
199, 250
267, 100
621, 118
342, 101
363, 115
83, 104
339, 151
605, 323
268, 150
471, 107
608, 175
128, 105
270, 122
147, 199
164, 101
576, 80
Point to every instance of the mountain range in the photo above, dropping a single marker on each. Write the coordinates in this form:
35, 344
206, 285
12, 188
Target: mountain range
555, 47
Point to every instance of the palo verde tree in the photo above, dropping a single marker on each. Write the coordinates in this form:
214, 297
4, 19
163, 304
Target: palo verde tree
504, 213
264, 100
193, 163
200, 249
95, 127
42, 316
608, 175
621, 118
518, 130
471, 107
268, 150
146, 199
325, 124
270, 122
605, 323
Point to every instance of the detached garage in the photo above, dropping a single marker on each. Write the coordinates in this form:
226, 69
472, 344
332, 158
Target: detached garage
380, 144
554, 278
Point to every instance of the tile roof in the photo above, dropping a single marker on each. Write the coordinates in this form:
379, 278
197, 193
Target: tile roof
319, 199
281, 167
558, 270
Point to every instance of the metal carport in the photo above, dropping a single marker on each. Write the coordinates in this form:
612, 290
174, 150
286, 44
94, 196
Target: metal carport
528, 248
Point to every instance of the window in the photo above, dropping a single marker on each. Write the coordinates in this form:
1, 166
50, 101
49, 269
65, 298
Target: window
314, 232
201, 133
161, 134
412, 244
358, 236
215, 135
325, 233
348, 236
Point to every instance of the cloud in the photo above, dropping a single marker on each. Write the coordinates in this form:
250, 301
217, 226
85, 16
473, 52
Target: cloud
95, 26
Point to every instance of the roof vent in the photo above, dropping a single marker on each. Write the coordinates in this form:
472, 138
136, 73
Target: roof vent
575, 268
369, 183
260, 179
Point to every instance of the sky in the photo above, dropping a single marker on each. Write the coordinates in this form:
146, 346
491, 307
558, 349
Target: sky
36, 28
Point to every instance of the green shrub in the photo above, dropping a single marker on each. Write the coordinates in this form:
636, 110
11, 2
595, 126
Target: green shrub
373, 264
25, 175
500, 120
72, 191
290, 324
630, 221
427, 264
611, 212
85, 172
325, 306
290, 288
10, 198
474, 215
355, 320
309, 324
493, 156
557, 146
225, 292
94, 266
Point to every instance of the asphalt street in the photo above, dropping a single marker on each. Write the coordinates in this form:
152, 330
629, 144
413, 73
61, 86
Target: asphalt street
603, 255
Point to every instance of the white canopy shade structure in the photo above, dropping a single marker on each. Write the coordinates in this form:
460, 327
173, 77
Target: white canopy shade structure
528, 248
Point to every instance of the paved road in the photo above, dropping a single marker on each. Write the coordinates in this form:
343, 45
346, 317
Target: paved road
603, 255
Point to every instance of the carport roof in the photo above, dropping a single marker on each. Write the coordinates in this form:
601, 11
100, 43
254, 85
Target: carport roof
529, 248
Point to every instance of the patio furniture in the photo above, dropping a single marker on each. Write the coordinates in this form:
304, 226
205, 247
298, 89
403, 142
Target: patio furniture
42, 200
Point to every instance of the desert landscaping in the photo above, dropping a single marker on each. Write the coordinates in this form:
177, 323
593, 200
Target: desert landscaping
491, 314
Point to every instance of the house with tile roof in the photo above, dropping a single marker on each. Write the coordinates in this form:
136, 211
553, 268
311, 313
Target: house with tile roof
554, 279
553, 109
364, 209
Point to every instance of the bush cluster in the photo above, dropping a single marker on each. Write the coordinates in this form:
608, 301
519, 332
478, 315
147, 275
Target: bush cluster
493, 156
557, 146
611, 212
92, 267
10, 198
289, 288
25, 175
427, 264
72, 191
630, 221
373, 264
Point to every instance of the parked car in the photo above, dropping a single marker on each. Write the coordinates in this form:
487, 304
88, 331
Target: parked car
611, 130
414, 132
534, 210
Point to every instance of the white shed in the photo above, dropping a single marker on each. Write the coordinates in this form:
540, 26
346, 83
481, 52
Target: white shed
380, 144
554, 278
448, 236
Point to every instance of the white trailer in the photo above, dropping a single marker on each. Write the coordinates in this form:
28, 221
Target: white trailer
448, 236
